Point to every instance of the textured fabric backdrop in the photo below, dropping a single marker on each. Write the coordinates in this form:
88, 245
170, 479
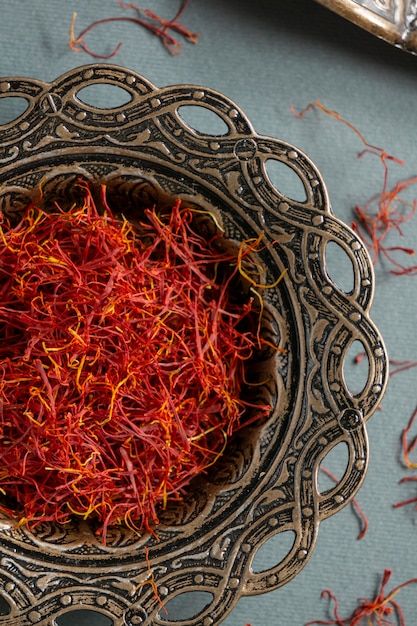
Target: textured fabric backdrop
267, 55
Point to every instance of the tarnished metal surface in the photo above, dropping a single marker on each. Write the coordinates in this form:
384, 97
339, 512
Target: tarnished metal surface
267, 481
392, 20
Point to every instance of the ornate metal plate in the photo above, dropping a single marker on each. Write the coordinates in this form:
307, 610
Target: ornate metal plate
267, 482
392, 20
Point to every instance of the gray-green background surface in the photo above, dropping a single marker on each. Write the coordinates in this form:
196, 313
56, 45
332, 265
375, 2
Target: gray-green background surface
267, 55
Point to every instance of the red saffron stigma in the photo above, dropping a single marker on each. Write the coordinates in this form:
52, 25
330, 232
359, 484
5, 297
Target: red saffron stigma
363, 520
408, 446
396, 366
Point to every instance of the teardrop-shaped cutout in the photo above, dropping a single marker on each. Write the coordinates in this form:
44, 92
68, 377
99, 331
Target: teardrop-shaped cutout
11, 108
285, 180
356, 368
339, 267
333, 467
4, 606
186, 605
83, 617
104, 96
202, 120
273, 551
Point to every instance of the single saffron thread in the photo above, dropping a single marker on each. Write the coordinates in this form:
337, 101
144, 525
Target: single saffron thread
363, 520
122, 361
408, 447
369, 612
146, 19
396, 366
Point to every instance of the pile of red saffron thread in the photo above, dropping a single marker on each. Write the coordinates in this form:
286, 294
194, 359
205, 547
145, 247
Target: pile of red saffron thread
144, 18
384, 213
122, 358
369, 612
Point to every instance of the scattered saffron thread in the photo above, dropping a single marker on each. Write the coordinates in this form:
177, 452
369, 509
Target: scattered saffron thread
408, 446
146, 19
354, 503
369, 612
122, 360
396, 366
386, 211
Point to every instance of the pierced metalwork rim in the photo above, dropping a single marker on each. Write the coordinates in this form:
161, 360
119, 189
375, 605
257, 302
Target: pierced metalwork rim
268, 483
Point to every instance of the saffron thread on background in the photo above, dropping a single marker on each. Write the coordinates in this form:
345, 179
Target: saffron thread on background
144, 18
396, 366
369, 612
408, 446
122, 361
385, 212
363, 520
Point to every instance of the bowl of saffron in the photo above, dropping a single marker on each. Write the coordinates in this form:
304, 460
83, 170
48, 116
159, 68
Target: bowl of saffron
171, 355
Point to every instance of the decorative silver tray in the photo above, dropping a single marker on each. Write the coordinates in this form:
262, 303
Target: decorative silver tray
267, 482
392, 20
